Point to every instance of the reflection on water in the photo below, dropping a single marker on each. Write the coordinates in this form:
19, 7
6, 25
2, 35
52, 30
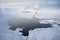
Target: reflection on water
26, 25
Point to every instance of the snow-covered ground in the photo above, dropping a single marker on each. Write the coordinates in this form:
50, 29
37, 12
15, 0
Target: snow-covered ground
36, 34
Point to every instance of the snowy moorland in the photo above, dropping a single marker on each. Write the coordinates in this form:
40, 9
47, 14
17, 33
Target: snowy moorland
36, 34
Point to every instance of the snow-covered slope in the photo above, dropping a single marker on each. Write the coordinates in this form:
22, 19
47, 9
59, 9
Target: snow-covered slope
36, 34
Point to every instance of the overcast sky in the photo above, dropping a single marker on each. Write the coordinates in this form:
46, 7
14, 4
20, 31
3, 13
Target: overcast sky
7, 1
41, 3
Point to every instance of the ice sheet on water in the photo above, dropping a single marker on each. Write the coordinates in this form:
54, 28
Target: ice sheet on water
37, 34
46, 33
5, 33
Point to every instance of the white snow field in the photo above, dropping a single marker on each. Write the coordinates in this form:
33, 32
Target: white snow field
36, 34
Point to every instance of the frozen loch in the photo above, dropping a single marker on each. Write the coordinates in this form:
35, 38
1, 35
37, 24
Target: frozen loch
41, 33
